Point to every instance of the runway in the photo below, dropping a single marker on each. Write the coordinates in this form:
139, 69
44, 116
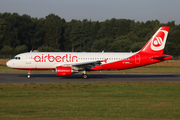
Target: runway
51, 78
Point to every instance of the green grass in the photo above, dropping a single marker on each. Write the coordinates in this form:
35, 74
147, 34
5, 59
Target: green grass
125, 100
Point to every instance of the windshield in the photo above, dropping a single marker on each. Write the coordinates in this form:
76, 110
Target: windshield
17, 58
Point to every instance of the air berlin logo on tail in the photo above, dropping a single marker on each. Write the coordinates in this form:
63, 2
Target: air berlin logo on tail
158, 41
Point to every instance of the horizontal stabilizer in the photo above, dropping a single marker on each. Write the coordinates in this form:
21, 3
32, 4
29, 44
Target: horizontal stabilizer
167, 57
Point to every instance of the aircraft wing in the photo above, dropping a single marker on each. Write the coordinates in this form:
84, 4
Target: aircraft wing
87, 65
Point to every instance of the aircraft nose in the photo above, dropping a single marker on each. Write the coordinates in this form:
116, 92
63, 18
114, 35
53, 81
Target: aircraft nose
9, 63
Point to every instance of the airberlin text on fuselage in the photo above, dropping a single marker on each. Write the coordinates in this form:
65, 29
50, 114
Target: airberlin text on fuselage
58, 58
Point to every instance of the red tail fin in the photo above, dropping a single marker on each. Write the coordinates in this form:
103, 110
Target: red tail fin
157, 43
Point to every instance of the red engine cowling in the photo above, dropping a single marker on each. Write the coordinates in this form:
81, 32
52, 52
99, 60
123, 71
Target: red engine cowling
63, 71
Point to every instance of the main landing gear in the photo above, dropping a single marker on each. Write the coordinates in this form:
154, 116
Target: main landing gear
84, 75
29, 74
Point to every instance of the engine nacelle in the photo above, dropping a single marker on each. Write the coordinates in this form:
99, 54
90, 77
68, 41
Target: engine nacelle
63, 71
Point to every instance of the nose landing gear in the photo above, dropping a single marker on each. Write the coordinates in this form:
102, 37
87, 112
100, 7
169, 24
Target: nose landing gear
29, 74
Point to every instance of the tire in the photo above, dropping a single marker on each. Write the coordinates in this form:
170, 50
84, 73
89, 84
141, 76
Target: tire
85, 76
28, 76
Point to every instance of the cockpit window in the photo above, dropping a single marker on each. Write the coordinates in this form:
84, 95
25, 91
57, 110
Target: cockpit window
17, 58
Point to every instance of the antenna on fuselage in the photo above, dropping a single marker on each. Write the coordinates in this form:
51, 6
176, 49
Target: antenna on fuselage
103, 51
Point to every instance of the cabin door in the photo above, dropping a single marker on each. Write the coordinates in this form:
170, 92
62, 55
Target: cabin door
137, 59
28, 59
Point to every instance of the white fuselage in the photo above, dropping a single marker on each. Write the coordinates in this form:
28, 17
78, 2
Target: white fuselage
50, 60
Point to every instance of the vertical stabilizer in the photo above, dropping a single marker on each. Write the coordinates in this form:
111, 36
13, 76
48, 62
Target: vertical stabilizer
157, 43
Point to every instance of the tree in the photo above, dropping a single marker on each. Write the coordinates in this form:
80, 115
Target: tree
38, 33
68, 28
2, 31
7, 50
53, 33
47, 49
20, 49
75, 36
121, 46
99, 45
54, 30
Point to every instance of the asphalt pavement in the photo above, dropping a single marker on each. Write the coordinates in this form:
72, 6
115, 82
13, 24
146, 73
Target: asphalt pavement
101, 77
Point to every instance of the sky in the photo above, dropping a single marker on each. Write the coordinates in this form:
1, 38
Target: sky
97, 10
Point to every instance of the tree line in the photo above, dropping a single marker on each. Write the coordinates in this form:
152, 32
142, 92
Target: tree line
23, 33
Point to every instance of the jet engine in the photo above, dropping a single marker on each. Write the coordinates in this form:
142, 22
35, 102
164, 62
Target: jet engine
64, 71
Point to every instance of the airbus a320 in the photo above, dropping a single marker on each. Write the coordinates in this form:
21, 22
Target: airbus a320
67, 63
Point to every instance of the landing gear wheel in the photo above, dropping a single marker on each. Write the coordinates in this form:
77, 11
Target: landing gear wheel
29, 76
85, 76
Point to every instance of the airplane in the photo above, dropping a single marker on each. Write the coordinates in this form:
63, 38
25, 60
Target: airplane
67, 63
